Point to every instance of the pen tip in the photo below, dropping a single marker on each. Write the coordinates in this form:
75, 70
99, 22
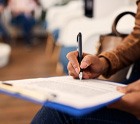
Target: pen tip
80, 75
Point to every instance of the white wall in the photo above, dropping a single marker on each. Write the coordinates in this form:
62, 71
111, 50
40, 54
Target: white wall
104, 8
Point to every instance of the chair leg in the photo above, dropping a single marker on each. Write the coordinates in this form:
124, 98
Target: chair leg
52, 54
49, 46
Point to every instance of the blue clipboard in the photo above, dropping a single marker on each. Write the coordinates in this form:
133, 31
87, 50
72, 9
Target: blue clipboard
60, 107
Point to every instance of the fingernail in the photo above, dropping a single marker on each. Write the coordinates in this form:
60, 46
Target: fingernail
77, 70
121, 89
83, 65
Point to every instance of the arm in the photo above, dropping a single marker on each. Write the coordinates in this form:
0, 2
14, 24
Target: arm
128, 52
108, 63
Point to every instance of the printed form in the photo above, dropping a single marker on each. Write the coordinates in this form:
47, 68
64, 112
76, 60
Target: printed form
68, 91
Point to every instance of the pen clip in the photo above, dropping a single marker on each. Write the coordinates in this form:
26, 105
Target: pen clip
4, 86
51, 97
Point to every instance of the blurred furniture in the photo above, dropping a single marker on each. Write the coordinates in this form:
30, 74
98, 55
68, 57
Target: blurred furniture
52, 51
39, 29
47, 4
58, 16
5, 51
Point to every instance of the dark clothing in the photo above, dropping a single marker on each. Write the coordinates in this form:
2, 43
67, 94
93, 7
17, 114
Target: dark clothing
102, 116
4, 34
26, 24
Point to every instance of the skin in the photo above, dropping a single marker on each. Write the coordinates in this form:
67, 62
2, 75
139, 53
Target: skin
93, 66
130, 102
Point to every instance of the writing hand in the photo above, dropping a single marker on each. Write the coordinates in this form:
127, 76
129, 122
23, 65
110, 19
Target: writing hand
92, 65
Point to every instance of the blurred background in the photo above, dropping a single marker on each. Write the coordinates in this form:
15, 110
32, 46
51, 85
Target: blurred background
36, 35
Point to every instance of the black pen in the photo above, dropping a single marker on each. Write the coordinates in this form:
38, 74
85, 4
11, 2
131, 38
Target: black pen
80, 53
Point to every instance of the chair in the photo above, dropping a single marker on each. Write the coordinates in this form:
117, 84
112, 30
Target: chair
52, 51
15, 32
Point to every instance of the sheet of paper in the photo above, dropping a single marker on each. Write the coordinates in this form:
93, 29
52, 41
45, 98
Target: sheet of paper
72, 92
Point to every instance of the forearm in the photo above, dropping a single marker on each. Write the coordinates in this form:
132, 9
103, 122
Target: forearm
127, 52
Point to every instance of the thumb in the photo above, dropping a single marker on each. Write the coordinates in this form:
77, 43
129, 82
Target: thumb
130, 88
87, 61
122, 89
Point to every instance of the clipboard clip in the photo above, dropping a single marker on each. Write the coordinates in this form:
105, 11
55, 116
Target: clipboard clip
15, 90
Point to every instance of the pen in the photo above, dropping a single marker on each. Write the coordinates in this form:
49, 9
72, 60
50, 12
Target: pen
79, 40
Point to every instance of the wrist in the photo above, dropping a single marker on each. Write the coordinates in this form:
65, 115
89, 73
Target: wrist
105, 64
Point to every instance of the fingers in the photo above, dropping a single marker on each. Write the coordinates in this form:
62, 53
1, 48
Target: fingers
87, 61
73, 65
133, 87
72, 71
90, 65
89, 75
130, 88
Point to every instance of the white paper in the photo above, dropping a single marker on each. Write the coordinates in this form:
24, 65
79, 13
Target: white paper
72, 92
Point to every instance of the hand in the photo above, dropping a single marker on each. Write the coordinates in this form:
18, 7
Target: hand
130, 102
92, 65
